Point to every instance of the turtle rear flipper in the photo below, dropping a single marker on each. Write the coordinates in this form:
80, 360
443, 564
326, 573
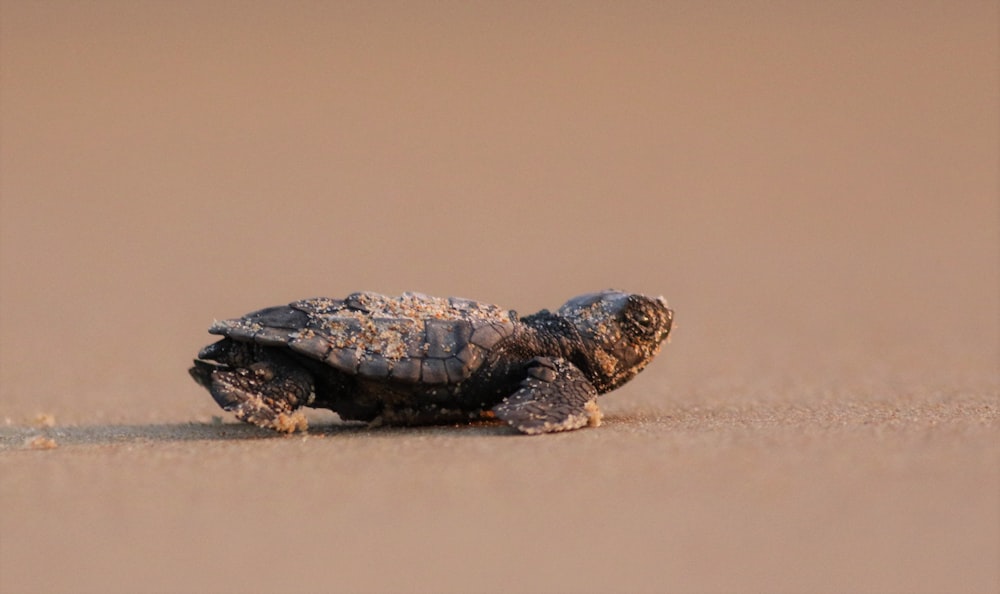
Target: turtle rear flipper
265, 394
555, 396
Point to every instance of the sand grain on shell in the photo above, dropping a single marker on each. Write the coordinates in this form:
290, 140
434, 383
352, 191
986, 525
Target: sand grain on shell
390, 326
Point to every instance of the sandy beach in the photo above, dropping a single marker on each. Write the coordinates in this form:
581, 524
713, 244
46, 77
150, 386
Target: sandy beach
813, 189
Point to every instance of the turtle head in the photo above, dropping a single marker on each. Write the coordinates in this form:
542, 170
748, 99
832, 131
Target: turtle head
621, 333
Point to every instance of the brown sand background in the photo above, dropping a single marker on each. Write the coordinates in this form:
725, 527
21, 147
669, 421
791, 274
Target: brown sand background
812, 185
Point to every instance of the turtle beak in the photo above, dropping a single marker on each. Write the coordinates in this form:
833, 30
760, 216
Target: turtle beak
669, 324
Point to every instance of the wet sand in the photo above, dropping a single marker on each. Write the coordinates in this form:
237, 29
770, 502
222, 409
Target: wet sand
813, 189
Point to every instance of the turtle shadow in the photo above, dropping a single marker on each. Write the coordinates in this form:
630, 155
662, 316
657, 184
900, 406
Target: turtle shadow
21, 437
29, 438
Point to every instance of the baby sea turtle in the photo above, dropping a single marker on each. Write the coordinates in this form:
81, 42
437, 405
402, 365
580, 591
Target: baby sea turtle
416, 359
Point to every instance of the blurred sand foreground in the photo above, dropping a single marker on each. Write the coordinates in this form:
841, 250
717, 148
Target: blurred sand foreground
813, 186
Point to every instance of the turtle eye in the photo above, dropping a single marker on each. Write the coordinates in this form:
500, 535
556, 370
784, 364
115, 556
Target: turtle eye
642, 321
639, 317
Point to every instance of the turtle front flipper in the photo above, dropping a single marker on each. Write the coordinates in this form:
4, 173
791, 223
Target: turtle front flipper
265, 393
555, 396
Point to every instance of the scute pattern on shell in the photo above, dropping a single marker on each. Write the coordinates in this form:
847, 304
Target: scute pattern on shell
412, 338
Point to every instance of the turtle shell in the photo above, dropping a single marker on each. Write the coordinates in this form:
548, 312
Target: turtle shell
413, 338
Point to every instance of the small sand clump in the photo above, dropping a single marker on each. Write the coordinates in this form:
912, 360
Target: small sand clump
594, 414
42, 443
44, 420
290, 423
